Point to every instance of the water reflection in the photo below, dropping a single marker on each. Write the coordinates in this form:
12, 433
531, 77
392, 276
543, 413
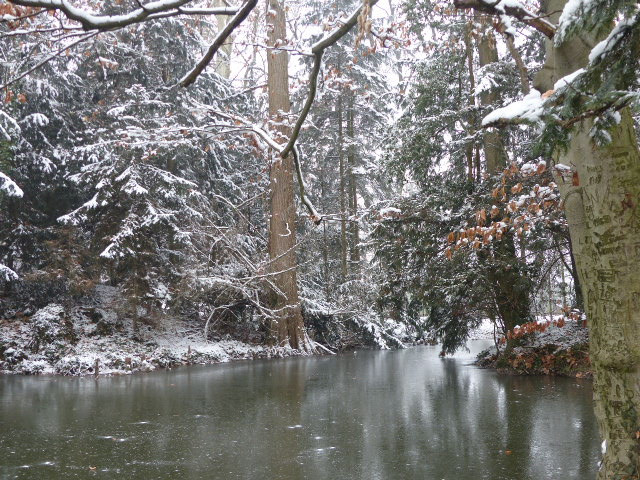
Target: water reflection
375, 415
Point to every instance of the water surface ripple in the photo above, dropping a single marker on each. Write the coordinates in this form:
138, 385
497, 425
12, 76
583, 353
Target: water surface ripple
372, 415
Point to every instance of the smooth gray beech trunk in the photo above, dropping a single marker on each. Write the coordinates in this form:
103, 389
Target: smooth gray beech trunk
602, 202
223, 67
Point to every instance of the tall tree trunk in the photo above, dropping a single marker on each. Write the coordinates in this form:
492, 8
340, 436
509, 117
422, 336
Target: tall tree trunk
353, 189
493, 147
325, 237
223, 68
251, 66
602, 212
343, 196
602, 201
287, 324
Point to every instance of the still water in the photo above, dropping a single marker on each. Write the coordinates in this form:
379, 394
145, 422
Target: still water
372, 415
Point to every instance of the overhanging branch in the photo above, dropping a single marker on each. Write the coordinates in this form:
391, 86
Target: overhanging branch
152, 10
511, 8
235, 22
317, 50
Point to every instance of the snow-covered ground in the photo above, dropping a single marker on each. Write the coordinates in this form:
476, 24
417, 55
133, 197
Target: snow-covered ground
484, 332
49, 343
557, 346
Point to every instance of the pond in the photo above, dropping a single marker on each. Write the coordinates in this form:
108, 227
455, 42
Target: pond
368, 415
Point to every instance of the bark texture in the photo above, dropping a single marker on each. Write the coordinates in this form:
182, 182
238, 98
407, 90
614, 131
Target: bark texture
287, 325
602, 200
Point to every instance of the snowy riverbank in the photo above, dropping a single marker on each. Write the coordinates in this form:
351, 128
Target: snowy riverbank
96, 336
546, 348
49, 343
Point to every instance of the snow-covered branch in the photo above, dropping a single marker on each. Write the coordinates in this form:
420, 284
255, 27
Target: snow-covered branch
234, 23
509, 8
527, 110
92, 21
9, 187
261, 133
317, 51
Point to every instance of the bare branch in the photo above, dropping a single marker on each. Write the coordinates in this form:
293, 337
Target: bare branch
264, 135
522, 68
235, 22
155, 9
318, 50
513, 9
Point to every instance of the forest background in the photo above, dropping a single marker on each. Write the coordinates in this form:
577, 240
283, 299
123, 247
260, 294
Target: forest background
151, 152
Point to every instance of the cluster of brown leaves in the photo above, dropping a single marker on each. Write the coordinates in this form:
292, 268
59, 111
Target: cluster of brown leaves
532, 327
511, 213
10, 96
574, 362
364, 22
17, 13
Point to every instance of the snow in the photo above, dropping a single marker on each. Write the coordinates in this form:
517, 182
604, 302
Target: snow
9, 187
561, 167
134, 188
505, 19
390, 212
7, 274
94, 20
530, 168
563, 337
486, 83
37, 119
529, 109
568, 79
41, 345
484, 331
606, 45
571, 12
617, 118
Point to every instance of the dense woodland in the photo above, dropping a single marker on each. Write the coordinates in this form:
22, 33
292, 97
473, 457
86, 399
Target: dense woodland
315, 176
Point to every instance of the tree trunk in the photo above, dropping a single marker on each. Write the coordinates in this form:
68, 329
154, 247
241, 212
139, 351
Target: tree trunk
494, 152
511, 287
287, 326
343, 196
602, 212
601, 204
353, 190
223, 68
325, 237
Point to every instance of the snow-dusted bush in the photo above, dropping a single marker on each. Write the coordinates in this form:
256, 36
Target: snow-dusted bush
50, 331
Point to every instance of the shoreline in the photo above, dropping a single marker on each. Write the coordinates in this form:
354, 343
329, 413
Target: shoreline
51, 343
556, 350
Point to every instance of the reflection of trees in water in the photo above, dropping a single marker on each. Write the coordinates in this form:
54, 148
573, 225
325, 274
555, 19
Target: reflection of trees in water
390, 415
